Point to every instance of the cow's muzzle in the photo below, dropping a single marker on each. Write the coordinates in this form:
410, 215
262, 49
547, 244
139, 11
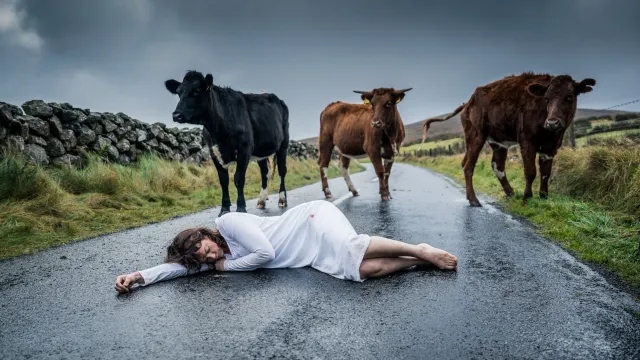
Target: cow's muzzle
376, 124
177, 117
553, 124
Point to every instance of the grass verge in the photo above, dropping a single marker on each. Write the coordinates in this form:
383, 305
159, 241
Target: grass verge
44, 207
593, 208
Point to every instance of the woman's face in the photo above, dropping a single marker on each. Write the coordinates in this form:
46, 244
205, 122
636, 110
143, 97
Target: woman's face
209, 251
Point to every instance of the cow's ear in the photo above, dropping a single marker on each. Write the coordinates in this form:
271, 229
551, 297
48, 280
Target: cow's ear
172, 85
399, 94
366, 96
208, 80
536, 89
585, 86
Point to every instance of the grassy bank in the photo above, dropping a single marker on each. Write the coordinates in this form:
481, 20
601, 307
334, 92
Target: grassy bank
43, 207
594, 204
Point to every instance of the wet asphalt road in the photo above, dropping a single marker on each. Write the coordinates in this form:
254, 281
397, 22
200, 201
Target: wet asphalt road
515, 295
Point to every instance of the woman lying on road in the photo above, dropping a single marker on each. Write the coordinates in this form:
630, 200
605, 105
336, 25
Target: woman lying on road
315, 234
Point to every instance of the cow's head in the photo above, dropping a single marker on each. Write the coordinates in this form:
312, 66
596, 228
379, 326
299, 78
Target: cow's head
561, 97
384, 102
195, 98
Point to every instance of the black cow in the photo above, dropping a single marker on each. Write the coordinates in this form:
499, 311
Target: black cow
241, 127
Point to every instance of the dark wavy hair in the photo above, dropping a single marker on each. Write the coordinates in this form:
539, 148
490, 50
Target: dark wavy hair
184, 246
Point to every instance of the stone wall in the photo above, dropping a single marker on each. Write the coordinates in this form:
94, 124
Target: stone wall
54, 134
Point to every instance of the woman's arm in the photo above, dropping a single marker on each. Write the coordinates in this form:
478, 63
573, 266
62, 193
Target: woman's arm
152, 275
250, 237
166, 271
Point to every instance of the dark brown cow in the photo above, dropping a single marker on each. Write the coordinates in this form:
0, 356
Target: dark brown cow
374, 128
532, 110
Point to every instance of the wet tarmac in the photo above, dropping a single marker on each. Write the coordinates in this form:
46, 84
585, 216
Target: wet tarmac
515, 295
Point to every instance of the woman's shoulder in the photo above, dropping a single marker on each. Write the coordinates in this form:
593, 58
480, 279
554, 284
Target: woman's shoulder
235, 217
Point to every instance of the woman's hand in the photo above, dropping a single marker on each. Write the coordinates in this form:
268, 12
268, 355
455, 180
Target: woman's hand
220, 264
125, 282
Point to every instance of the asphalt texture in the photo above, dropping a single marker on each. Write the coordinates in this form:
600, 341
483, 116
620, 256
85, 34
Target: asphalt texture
515, 295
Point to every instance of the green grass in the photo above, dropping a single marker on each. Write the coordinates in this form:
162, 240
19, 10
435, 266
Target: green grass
594, 204
607, 135
44, 207
430, 145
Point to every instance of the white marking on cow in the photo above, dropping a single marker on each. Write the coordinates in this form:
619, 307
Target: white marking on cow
499, 174
545, 157
281, 194
505, 144
264, 195
218, 155
347, 178
255, 158
387, 161
323, 171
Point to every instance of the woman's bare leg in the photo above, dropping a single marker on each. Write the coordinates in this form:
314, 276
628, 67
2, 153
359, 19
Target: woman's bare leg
371, 268
381, 247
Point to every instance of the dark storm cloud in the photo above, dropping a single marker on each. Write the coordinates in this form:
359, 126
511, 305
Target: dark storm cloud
114, 56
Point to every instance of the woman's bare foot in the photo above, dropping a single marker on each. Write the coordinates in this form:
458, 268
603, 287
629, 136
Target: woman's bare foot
438, 257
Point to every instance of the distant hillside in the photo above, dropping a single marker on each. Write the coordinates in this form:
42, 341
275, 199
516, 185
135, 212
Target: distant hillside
454, 127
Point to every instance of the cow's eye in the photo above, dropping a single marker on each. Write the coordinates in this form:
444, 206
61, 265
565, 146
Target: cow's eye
569, 98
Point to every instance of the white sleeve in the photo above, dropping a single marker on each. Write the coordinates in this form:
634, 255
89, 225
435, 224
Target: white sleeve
249, 236
165, 271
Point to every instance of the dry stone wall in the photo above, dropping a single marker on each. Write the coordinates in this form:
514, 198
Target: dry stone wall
56, 134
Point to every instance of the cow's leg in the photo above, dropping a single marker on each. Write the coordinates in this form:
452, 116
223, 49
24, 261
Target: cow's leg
498, 162
474, 142
238, 179
388, 155
376, 160
387, 163
282, 172
324, 158
264, 192
545, 163
528, 152
344, 169
223, 177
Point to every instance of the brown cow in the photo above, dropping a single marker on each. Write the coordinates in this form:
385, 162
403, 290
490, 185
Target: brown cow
374, 128
532, 110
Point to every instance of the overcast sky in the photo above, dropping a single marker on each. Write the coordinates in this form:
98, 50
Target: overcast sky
115, 55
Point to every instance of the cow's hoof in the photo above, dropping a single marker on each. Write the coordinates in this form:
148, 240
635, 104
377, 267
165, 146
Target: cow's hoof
474, 203
543, 196
282, 204
224, 211
241, 209
261, 205
328, 196
385, 197
355, 193
509, 194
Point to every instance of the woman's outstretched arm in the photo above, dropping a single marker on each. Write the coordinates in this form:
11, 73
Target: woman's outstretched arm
162, 272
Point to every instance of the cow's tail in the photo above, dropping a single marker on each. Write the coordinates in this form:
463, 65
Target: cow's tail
427, 123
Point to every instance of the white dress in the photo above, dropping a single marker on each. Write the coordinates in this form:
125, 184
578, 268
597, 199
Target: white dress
315, 234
